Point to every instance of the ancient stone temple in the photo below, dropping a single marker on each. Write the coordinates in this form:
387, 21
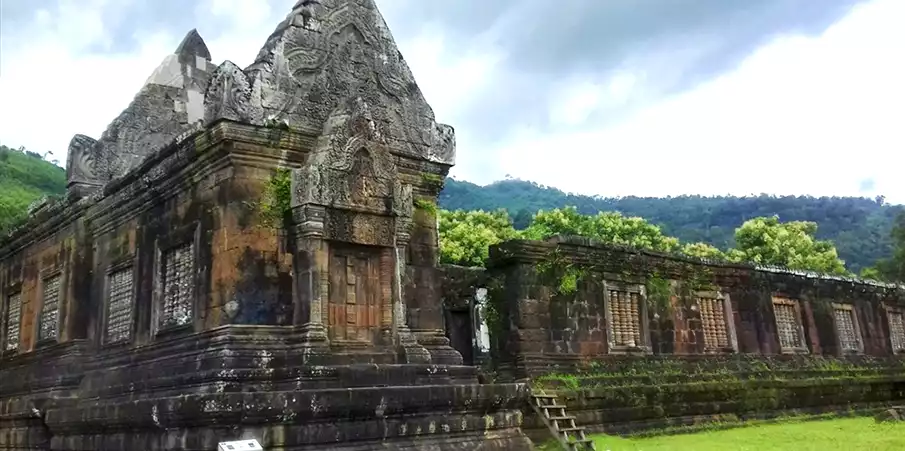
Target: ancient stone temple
248, 253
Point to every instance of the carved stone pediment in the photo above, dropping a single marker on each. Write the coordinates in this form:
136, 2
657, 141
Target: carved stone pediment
351, 168
170, 102
323, 51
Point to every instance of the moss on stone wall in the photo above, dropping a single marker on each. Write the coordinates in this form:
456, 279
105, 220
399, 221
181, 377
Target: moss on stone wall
427, 206
432, 181
658, 388
275, 206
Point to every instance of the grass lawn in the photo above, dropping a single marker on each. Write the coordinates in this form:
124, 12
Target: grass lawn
840, 434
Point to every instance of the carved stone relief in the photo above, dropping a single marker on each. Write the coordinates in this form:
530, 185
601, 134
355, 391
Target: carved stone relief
896, 330
229, 96
81, 160
321, 53
171, 100
350, 167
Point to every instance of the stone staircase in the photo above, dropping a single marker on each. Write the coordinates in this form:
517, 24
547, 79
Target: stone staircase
570, 436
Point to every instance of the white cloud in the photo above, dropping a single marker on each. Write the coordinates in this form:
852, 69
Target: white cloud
52, 89
800, 116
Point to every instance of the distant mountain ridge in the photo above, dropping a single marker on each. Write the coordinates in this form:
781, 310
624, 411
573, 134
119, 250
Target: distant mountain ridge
859, 227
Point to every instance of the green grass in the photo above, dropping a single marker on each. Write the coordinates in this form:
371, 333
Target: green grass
840, 434
24, 178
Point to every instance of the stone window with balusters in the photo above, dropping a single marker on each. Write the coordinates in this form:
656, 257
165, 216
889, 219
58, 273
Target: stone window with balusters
626, 312
177, 286
49, 321
896, 319
12, 320
716, 322
120, 305
848, 332
788, 325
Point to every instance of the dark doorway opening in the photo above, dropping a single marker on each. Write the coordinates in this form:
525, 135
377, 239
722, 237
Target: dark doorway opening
460, 333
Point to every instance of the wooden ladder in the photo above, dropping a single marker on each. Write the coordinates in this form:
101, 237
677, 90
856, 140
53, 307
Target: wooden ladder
570, 436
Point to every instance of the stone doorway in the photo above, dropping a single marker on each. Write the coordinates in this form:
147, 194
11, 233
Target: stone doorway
460, 333
355, 294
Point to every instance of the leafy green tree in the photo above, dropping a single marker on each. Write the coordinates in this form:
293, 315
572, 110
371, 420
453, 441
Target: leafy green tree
466, 236
608, 227
702, 250
791, 244
859, 227
892, 268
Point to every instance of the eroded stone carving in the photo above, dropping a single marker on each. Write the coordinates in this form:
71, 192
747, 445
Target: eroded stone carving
80, 163
171, 100
350, 166
229, 96
321, 53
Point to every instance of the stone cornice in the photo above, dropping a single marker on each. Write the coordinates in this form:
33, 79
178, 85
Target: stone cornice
584, 251
160, 174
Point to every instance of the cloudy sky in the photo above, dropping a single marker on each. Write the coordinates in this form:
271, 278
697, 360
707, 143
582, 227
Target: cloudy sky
608, 97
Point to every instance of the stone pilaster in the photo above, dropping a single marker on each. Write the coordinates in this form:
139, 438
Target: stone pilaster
311, 272
410, 349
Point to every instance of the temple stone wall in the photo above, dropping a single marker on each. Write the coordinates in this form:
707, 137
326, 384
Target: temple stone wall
219, 339
635, 340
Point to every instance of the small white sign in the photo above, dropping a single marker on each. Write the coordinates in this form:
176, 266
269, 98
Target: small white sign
240, 445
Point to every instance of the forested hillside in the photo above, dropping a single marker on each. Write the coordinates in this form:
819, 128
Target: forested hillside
24, 178
859, 227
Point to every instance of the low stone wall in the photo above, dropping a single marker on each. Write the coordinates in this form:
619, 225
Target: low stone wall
630, 394
567, 302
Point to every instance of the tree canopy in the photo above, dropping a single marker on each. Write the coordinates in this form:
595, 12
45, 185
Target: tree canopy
892, 268
466, 235
767, 241
859, 227
606, 226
